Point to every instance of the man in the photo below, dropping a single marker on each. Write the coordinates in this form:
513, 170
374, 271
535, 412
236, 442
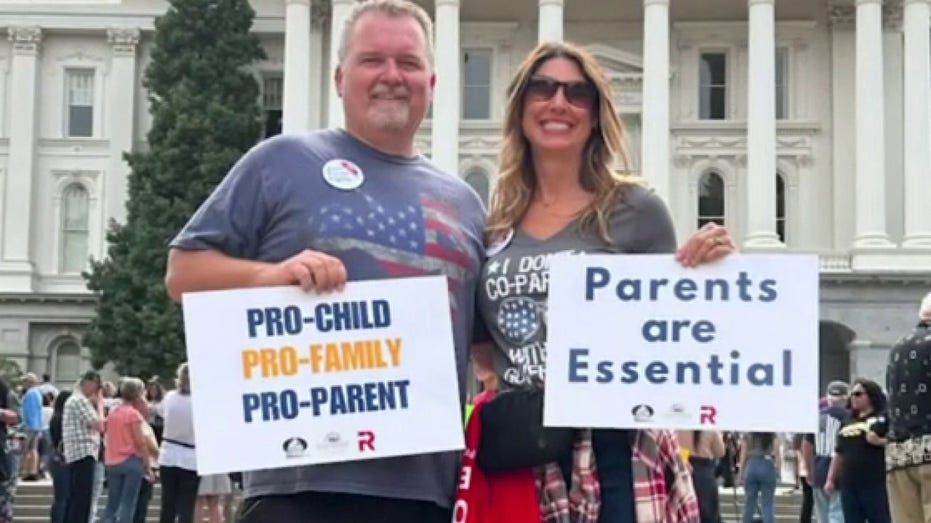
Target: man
322, 208
47, 387
32, 421
908, 453
818, 451
82, 424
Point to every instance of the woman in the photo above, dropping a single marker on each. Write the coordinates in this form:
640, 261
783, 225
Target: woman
556, 192
759, 455
127, 452
704, 449
178, 464
859, 461
57, 466
212, 493
155, 394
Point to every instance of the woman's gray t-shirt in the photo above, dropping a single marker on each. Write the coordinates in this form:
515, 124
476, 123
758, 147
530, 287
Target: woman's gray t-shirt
514, 283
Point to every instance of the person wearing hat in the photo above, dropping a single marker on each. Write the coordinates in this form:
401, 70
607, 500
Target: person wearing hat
818, 451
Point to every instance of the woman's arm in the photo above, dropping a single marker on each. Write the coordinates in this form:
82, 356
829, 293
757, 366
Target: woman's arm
831, 482
142, 444
718, 450
742, 460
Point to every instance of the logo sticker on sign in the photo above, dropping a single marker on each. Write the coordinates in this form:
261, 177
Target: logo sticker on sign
343, 174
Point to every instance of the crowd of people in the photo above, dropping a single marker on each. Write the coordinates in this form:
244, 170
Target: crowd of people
100, 437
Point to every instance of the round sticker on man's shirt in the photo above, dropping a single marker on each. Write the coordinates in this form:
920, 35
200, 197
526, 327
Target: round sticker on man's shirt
343, 174
500, 244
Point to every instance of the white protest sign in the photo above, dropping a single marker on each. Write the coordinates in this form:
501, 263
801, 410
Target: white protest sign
641, 342
281, 377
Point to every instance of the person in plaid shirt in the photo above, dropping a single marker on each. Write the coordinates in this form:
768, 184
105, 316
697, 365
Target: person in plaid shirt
82, 425
557, 191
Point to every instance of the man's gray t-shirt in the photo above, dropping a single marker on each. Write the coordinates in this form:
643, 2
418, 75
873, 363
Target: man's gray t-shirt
515, 280
407, 218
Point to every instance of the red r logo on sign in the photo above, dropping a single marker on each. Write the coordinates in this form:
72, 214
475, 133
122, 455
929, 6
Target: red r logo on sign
708, 415
366, 439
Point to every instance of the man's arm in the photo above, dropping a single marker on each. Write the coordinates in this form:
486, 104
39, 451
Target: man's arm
93, 419
830, 485
205, 270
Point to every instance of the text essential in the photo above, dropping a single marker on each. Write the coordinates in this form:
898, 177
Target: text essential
639, 341
298, 378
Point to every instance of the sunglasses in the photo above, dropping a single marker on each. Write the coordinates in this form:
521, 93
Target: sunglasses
580, 94
857, 393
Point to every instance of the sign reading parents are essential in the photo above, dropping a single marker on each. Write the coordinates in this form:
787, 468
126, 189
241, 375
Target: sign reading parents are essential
281, 377
640, 342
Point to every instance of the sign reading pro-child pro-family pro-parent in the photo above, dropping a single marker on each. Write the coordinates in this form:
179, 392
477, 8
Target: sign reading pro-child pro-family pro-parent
281, 377
640, 341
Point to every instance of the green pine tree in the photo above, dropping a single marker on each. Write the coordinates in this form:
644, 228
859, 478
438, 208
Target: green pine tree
204, 104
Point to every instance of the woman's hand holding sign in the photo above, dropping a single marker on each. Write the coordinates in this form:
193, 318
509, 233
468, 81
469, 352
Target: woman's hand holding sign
312, 270
710, 243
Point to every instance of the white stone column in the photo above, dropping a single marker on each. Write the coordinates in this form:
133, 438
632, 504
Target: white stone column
761, 126
338, 14
917, 131
655, 156
319, 15
446, 97
17, 270
550, 20
296, 91
870, 123
121, 110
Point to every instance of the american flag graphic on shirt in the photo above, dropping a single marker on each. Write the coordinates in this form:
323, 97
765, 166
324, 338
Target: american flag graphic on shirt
519, 319
406, 239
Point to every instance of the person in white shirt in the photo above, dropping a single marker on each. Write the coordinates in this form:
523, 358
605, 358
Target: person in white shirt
177, 461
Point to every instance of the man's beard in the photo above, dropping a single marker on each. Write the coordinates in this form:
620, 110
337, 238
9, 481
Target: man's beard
390, 114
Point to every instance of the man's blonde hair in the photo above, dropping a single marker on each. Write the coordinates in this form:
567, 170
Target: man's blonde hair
394, 8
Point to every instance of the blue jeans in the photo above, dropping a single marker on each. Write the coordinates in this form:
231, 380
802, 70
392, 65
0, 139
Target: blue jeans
828, 508
100, 474
60, 480
759, 487
124, 481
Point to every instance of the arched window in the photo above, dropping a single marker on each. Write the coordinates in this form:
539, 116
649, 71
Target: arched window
781, 207
711, 199
68, 363
478, 180
74, 228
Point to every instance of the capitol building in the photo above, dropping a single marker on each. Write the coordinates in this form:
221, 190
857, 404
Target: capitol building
802, 125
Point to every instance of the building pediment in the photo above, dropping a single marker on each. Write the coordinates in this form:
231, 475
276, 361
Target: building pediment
616, 61
625, 72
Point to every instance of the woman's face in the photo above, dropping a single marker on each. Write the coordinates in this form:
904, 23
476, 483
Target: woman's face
858, 399
559, 105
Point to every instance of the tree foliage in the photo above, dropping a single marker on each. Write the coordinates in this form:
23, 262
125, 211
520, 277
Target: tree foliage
205, 115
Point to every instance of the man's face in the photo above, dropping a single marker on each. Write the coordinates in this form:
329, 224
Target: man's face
386, 80
89, 388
